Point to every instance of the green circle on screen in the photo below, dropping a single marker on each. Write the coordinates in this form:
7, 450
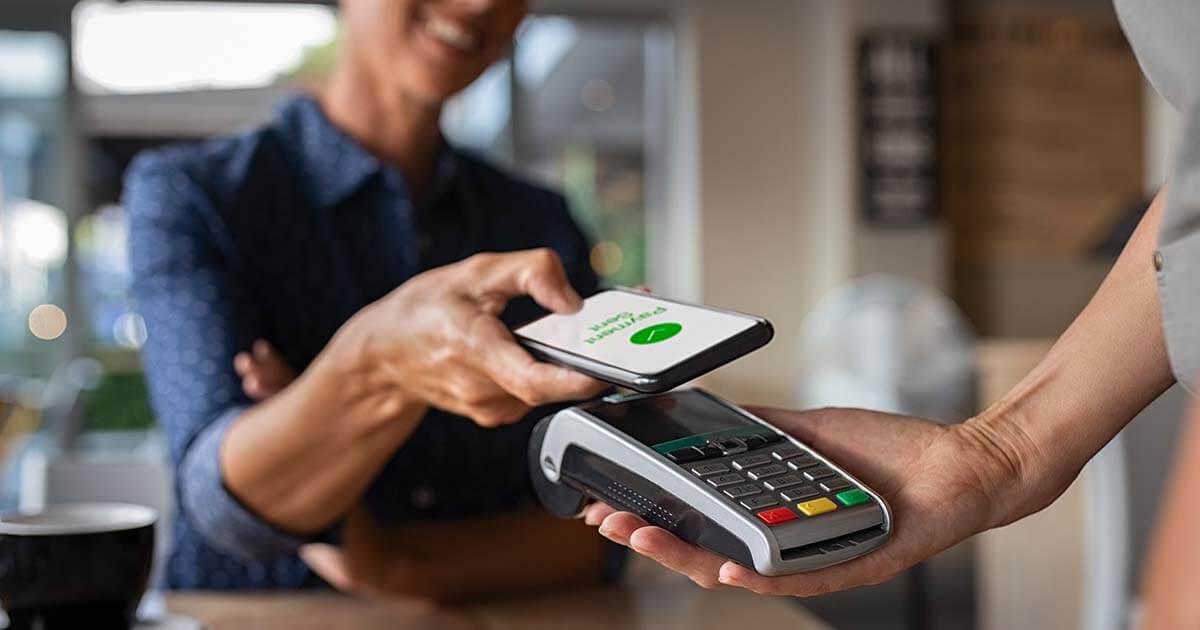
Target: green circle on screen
656, 333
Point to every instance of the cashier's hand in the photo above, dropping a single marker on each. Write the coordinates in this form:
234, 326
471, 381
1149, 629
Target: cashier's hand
438, 339
931, 476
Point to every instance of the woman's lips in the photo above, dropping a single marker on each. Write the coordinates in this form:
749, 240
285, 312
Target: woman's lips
454, 34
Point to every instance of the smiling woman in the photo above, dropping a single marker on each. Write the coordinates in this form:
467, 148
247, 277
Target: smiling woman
428, 50
332, 264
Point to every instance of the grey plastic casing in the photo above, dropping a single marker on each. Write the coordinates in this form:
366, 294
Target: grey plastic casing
575, 427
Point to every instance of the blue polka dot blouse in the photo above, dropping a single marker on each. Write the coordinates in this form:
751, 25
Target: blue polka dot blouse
283, 233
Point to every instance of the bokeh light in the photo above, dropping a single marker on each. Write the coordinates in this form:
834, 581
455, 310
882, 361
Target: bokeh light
39, 233
130, 330
598, 95
47, 321
607, 258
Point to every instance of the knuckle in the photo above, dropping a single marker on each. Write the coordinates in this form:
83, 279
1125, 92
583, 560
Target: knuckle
492, 416
705, 582
474, 396
546, 259
485, 417
468, 393
531, 396
479, 262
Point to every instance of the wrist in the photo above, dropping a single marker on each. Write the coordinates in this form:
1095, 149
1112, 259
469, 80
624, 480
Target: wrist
1011, 466
349, 372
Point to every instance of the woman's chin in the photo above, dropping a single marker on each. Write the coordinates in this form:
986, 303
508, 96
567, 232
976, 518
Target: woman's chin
433, 88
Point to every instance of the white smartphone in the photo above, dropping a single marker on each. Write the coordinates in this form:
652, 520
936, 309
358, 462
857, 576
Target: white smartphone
644, 342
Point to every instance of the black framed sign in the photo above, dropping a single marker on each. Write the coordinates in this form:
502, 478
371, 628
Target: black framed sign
898, 128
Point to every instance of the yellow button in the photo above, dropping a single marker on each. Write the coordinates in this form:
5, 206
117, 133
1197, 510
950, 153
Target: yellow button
816, 506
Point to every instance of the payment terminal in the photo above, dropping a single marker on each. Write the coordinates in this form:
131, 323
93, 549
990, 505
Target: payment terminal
711, 473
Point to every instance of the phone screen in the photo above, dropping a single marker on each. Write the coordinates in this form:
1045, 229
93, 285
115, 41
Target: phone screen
635, 332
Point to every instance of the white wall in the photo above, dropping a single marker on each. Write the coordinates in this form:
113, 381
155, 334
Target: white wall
763, 211
772, 186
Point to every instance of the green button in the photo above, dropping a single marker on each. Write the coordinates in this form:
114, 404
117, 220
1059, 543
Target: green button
853, 497
656, 333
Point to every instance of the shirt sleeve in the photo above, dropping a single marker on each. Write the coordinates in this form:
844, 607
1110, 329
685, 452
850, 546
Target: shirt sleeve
1178, 257
198, 317
1162, 34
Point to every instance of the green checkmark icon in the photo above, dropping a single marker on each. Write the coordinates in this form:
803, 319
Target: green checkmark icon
656, 333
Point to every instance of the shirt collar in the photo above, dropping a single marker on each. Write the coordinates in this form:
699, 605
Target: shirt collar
334, 165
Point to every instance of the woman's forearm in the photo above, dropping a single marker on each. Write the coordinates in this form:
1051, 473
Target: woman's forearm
1110, 363
459, 559
304, 457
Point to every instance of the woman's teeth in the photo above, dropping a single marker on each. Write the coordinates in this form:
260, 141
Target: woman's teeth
452, 34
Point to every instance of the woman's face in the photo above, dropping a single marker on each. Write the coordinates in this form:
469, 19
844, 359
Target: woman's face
429, 49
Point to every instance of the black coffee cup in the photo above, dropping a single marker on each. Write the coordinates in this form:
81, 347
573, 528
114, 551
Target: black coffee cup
76, 565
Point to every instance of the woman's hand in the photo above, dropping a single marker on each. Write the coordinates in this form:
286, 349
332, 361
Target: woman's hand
941, 482
263, 371
438, 338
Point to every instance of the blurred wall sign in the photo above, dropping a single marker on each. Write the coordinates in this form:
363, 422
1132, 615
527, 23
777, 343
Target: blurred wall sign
898, 122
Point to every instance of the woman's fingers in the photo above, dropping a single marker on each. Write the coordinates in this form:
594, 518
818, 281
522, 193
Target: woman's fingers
329, 562
263, 371
531, 381
595, 513
537, 273
869, 569
656, 543
273, 369
619, 526
665, 548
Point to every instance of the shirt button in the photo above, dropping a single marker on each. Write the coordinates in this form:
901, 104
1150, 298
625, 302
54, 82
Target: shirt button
1158, 261
422, 497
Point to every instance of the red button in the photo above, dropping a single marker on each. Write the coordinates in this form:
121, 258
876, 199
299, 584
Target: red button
777, 516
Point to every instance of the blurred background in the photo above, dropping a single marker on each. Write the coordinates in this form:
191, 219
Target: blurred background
920, 194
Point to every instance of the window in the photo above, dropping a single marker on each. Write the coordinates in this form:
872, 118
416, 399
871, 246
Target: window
196, 45
581, 114
33, 228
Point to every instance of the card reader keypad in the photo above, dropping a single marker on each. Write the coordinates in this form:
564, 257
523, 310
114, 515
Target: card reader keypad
743, 490
728, 479
758, 503
762, 472
777, 481
750, 461
704, 470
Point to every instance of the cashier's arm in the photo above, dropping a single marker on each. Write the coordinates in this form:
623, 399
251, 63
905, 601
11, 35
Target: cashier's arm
946, 484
